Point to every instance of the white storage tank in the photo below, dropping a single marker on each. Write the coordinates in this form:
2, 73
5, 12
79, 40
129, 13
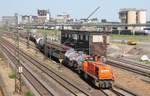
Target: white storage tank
131, 17
142, 17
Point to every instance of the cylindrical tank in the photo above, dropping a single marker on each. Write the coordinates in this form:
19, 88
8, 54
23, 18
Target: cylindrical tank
40, 42
131, 18
142, 17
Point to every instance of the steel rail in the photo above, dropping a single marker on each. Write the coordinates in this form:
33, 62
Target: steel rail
135, 64
129, 67
38, 86
56, 76
118, 92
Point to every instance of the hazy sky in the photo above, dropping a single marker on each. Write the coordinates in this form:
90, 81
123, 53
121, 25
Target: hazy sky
77, 8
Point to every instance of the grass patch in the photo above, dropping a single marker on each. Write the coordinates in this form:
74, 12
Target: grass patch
3, 29
49, 32
1, 54
12, 75
145, 62
135, 37
42, 30
29, 93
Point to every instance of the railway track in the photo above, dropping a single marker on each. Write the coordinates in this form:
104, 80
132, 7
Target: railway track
22, 40
76, 90
130, 66
38, 86
115, 91
144, 66
106, 92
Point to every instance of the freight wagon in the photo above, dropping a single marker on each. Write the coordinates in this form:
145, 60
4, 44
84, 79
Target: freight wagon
72, 55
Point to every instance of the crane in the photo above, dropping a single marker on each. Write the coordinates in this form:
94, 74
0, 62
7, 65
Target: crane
93, 12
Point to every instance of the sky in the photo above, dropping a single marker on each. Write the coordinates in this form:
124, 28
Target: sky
76, 8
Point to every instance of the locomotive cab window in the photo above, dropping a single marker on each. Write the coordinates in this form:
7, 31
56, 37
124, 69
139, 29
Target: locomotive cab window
96, 71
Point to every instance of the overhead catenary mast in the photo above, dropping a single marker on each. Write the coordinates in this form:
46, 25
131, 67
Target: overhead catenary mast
18, 70
28, 33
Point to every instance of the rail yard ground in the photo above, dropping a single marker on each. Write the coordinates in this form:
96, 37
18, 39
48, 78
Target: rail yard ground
1, 90
1, 93
64, 71
132, 52
117, 49
7, 85
124, 78
65, 51
132, 82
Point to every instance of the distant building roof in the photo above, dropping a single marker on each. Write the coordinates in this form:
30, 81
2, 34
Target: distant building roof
132, 9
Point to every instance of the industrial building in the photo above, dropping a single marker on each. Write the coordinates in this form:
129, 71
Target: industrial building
29, 19
62, 18
43, 16
8, 20
132, 16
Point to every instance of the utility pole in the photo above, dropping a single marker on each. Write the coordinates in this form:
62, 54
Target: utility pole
18, 70
105, 43
28, 35
45, 41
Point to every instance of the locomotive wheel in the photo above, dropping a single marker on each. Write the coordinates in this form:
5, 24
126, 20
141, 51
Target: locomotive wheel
63, 62
85, 76
101, 85
110, 85
78, 69
105, 85
75, 64
70, 64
